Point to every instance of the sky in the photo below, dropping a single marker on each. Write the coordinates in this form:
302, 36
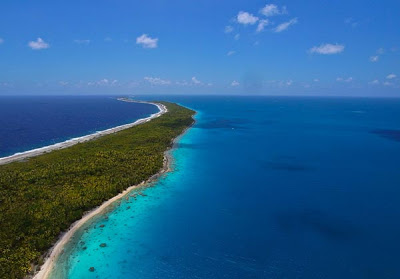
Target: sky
227, 47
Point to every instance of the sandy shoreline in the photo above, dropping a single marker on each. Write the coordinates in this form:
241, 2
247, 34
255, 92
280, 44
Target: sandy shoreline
53, 254
35, 152
58, 248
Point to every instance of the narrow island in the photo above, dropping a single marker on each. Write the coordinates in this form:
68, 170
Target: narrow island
43, 194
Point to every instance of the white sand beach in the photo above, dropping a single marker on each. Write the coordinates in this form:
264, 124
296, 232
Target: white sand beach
58, 248
35, 152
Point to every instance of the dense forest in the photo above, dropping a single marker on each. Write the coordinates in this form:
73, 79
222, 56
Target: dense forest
43, 196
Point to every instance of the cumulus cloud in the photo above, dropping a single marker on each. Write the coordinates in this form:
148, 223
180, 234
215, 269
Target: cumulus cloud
284, 26
327, 49
146, 41
82, 42
235, 83
102, 82
391, 76
228, 29
63, 83
272, 10
380, 50
232, 52
351, 21
261, 25
246, 18
1, 41
237, 37
38, 44
157, 81
374, 58
340, 79
196, 81
374, 82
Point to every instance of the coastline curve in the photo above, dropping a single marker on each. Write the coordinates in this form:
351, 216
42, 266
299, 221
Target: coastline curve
53, 254
61, 145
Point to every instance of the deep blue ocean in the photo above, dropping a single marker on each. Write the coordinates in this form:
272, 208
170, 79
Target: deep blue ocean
30, 122
261, 187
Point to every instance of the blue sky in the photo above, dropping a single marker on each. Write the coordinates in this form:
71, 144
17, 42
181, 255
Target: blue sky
347, 48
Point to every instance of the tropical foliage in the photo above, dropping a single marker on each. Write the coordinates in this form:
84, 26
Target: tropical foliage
43, 196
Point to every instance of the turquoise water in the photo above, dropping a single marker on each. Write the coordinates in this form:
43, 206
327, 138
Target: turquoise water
261, 187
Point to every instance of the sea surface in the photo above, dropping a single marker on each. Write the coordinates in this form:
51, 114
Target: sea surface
261, 187
31, 122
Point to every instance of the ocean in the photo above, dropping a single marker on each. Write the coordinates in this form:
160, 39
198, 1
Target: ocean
33, 122
261, 187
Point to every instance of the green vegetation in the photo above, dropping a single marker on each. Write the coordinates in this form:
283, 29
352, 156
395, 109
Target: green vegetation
42, 197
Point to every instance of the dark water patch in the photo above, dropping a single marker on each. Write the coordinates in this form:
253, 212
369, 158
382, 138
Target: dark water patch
265, 122
284, 163
317, 221
388, 134
189, 145
223, 123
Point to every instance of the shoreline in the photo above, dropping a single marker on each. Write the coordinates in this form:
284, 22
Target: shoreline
61, 145
58, 248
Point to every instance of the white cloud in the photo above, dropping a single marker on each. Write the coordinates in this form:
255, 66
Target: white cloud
102, 82
386, 83
340, 79
374, 58
374, 82
380, 50
237, 37
272, 10
1, 41
195, 80
280, 83
327, 49
228, 29
182, 83
350, 21
391, 76
284, 26
235, 83
316, 80
246, 18
146, 41
261, 25
82, 42
38, 44
157, 81
232, 52
63, 83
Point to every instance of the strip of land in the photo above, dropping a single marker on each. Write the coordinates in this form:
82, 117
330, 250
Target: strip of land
38, 151
58, 248
42, 196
